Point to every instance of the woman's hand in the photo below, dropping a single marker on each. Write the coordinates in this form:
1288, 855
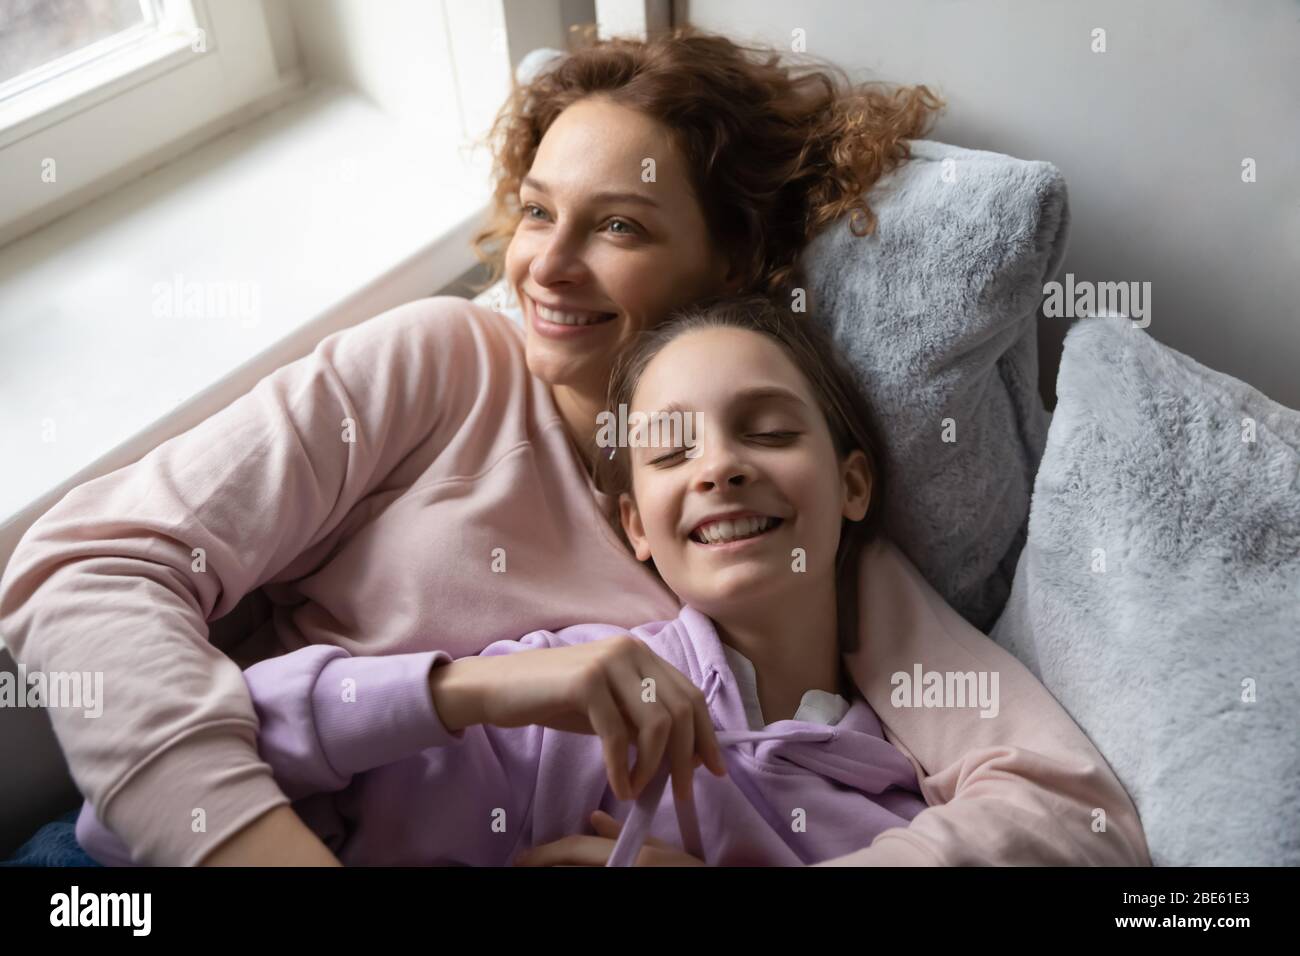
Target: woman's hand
616, 688
595, 850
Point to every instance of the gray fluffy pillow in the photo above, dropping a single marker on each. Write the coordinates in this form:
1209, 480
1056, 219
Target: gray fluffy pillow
937, 314
1161, 583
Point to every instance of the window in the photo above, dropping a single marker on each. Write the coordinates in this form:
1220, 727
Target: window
130, 76
46, 38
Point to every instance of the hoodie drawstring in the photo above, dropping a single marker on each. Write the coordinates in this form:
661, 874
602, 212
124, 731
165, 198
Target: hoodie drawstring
637, 826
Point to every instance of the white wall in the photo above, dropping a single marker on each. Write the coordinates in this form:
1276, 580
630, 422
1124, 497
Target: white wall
395, 52
405, 55
1149, 135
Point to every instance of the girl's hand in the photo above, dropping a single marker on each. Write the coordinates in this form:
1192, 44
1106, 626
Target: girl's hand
595, 850
600, 687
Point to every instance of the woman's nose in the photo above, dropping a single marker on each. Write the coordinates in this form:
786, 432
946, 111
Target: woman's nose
557, 260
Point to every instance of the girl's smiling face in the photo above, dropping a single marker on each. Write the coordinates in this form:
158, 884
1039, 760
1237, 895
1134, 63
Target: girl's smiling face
765, 456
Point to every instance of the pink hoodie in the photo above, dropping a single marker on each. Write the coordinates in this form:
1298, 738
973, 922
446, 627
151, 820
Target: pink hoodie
410, 486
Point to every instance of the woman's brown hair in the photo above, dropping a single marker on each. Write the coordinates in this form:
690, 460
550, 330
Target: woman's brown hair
776, 151
847, 412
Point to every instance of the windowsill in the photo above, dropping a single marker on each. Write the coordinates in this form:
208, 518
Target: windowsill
314, 217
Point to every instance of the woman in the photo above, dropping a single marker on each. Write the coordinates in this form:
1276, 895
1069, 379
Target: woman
424, 480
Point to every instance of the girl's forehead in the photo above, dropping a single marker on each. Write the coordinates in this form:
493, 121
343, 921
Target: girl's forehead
706, 366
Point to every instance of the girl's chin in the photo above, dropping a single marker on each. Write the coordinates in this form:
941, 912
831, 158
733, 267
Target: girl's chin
745, 593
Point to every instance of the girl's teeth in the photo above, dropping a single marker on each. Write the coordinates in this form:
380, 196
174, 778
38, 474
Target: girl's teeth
570, 318
732, 530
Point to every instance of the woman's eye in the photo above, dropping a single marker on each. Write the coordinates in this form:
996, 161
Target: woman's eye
629, 230
775, 436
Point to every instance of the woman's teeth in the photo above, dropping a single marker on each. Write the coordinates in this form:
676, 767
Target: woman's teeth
572, 318
717, 532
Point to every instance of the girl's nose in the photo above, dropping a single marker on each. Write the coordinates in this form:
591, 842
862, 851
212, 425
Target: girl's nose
722, 468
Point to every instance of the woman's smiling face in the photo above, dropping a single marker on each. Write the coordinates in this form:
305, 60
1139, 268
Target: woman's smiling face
600, 254
765, 455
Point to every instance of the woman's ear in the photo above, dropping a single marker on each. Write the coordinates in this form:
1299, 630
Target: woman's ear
732, 276
856, 476
631, 518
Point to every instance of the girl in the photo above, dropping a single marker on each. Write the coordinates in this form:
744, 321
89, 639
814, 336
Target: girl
416, 759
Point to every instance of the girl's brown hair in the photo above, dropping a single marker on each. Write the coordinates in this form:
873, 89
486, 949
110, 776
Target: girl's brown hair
848, 415
776, 152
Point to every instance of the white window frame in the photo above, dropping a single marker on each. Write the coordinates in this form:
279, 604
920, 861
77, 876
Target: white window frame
131, 95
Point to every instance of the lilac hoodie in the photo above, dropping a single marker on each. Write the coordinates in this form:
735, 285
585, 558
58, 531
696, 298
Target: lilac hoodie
356, 743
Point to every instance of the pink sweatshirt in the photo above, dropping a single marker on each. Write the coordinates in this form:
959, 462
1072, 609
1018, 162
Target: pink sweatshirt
408, 487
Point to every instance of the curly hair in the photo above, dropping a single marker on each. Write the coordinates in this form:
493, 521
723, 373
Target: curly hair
776, 152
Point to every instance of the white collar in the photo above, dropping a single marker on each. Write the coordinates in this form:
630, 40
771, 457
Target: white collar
816, 707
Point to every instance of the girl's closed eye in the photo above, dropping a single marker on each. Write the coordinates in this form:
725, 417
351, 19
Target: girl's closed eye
676, 453
770, 437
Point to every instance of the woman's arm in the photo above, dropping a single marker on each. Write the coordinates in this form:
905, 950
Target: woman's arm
121, 576
323, 717
277, 838
1024, 787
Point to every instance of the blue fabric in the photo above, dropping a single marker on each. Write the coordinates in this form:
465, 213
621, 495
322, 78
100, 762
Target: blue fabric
54, 844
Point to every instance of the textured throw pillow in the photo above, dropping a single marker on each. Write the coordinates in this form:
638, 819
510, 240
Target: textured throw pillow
1158, 595
937, 313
